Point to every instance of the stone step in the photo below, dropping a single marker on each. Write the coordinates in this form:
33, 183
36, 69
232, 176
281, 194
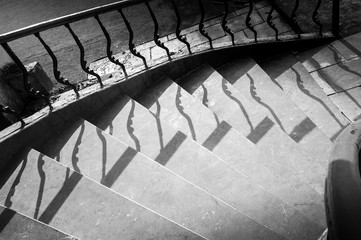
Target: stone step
249, 79
46, 190
15, 226
293, 78
127, 120
215, 175
120, 167
249, 119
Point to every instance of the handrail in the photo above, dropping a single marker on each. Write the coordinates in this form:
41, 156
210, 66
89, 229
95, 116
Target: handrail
343, 186
56, 22
95, 12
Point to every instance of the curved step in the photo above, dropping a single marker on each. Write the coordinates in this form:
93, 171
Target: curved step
250, 80
46, 190
293, 78
217, 183
114, 164
127, 120
15, 226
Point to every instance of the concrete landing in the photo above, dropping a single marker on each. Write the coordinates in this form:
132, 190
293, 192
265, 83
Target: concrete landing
214, 175
127, 120
43, 189
249, 79
114, 164
294, 79
15, 226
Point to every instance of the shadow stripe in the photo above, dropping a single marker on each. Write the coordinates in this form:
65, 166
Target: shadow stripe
302, 129
217, 135
168, 151
260, 130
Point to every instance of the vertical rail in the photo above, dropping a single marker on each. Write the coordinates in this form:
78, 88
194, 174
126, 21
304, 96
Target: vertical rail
201, 25
336, 17
131, 36
83, 63
248, 20
315, 18
270, 22
183, 39
294, 16
109, 44
224, 21
8, 110
32, 93
55, 65
156, 28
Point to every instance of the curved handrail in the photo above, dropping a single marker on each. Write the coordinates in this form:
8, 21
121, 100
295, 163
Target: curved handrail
56, 22
343, 186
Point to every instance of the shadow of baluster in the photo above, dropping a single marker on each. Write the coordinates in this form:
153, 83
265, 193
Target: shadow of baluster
159, 124
104, 153
130, 127
74, 157
180, 108
229, 94
301, 86
259, 100
42, 185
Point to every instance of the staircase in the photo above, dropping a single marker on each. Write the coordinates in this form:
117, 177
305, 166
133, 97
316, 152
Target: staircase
237, 151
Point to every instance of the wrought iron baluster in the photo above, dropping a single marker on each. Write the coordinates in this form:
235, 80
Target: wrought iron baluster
32, 93
248, 20
183, 39
315, 17
224, 21
8, 110
109, 44
55, 65
294, 17
201, 25
156, 28
270, 22
131, 36
83, 63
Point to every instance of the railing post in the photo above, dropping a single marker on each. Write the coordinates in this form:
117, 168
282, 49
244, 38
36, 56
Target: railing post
336, 18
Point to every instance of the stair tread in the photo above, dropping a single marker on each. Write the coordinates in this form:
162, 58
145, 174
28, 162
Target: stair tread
249, 79
54, 194
349, 102
226, 143
17, 226
224, 181
248, 118
118, 166
302, 89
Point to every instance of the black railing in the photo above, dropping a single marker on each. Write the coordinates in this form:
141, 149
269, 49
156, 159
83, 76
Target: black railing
66, 21
343, 186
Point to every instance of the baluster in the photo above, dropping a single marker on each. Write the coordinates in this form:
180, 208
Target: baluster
201, 25
224, 22
294, 17
156, 27
131, 36
248, 20
31, 92
8, 110
55, 66
83, 63
183, 39
109, 44
315, 17
270, 22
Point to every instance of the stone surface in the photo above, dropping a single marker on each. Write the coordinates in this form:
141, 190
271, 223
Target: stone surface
304, 91
342, 76
213, 175
349, 102
114, 164
292, 153
14, 226
48, 191
152, 136
264, 30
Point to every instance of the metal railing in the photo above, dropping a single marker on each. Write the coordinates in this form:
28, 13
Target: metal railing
343, 186
66, 21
